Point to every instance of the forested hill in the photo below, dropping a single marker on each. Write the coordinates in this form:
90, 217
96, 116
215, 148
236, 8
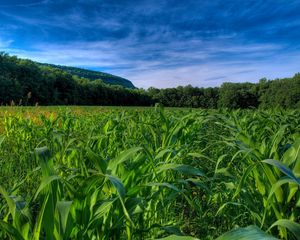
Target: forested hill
24, 82
93, 75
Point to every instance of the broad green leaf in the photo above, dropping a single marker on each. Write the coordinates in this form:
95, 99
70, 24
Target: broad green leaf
290, 225
39, 221
11, 231
292, 154
100, 164
64, 209
228, 203
175, 237
45, 183
10, 202
248, 233
104, 208
284, 169
42, 152
201, 156
1, 140
124, 156
163, 152
168, 185
117, 183
185, 169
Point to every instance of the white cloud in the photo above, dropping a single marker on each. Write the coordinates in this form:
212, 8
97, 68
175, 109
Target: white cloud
179, 63
4, 44
29, 4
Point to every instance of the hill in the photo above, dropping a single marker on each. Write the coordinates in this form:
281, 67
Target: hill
93, 75
25, 82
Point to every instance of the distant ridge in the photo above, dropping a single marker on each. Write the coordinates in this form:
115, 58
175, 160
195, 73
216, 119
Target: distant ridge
93, 75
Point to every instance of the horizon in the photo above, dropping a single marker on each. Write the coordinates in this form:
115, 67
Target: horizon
160, 44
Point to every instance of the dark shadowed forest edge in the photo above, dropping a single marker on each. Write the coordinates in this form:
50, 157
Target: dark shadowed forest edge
24, 82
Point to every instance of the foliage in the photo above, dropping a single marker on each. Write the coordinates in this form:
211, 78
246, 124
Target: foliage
94, 75
238, 95
23, 82
106, 173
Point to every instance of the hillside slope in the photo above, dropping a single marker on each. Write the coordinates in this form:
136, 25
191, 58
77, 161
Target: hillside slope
93, 75
25, 82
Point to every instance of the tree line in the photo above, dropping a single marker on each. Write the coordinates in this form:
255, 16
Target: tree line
24, 82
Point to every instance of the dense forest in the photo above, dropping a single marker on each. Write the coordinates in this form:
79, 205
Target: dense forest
94, 75
24, 82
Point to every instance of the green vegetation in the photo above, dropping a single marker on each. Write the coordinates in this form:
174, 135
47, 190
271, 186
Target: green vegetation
94, 75
124, 173
23, 82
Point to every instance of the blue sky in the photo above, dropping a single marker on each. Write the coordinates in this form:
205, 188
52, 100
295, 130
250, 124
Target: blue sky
161, 43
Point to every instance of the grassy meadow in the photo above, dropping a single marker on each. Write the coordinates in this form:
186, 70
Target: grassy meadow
149, 173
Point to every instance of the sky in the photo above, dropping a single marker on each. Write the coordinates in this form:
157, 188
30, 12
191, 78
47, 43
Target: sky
159, 43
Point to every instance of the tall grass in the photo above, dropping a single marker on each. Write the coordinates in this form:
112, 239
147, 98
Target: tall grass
84, 173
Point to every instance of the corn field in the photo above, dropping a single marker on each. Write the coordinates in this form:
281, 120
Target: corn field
112, 173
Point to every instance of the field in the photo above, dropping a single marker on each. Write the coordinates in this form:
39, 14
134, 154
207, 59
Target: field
149, 173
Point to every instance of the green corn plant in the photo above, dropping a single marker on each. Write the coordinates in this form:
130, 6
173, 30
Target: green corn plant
264, 175
121, 173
